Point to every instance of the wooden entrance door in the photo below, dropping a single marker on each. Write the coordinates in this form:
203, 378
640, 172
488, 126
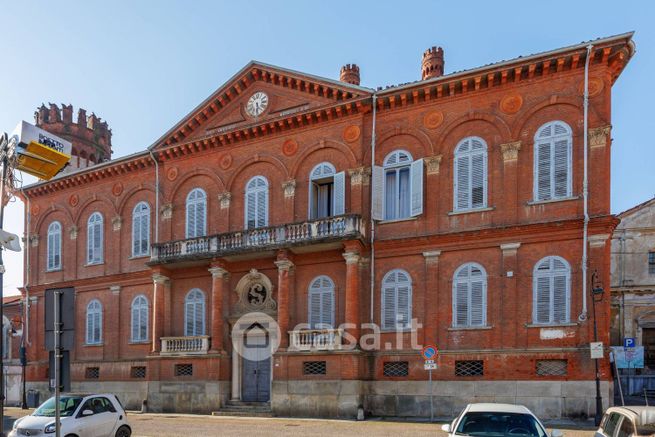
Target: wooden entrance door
256, 371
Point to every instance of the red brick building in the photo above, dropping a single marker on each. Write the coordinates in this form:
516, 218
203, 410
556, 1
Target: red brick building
455, 201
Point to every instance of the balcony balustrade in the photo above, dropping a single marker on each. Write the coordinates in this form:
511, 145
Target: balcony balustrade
316, 339
250, 240
196, 345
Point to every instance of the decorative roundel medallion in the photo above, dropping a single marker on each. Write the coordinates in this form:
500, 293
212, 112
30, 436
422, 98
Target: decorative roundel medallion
172, 173
596, 85
511, 103
117, 189
433, 120
225, 161
36, 209
257, 104
290, 147
351, 133
73, 200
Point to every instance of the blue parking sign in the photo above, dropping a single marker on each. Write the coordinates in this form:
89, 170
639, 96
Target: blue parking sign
629, 342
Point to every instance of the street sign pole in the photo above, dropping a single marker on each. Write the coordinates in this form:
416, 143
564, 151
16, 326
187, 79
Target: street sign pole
431, 399
57, 332
4, 149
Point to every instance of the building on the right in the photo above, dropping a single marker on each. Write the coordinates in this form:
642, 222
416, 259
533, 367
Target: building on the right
633, 280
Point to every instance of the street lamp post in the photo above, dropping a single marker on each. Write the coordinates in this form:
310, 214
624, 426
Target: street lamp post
4, 161
597, 296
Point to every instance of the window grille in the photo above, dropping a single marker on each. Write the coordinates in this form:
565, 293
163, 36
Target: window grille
184, 370
469, 368
92, 373
552, 367
396, 368
138, 372
651, 263
314, 368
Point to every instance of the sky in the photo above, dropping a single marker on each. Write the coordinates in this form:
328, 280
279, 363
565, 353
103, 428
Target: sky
143, 65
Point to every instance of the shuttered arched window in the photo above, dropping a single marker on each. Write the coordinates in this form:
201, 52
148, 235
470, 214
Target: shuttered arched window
326, 191
140, 319
196, 213
551, 291
552, 161
94, 322
54, 246
256, 203
396, 300
94, 239
470, 174
321, 303
194, 313
141, 229
470, 296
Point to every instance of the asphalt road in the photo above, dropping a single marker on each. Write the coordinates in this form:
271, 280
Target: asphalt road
169, 425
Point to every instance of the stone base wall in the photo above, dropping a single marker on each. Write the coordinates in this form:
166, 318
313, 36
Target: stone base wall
200, 397
546, 399
333, 399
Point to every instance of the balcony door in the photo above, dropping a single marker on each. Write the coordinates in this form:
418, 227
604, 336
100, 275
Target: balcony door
326, 191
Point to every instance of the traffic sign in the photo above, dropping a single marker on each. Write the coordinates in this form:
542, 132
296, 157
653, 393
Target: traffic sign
430, 365
596, 348
629, 342
429, 352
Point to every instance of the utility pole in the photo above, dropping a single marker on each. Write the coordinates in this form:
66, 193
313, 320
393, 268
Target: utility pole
4, 148
596, 296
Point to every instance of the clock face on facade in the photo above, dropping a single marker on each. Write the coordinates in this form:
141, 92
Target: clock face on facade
257, 104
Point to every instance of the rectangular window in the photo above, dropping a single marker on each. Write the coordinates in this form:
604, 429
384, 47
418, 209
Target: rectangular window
184, 370
469, 368
551, 367
314, 368
92, 373
395, 368
651, 263
138, 372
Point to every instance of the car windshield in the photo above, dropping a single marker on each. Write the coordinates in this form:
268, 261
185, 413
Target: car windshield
67, 406
499, 424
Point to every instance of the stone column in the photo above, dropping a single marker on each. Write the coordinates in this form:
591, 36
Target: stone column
158, 299
507, 334
433, 322
352, 293
218, 280
510, 153
289, 189
114, 314
284, 267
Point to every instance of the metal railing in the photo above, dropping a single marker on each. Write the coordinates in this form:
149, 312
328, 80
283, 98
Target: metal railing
328, 228
197, 345
316, 339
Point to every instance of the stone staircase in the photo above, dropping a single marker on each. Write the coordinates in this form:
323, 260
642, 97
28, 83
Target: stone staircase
245, 409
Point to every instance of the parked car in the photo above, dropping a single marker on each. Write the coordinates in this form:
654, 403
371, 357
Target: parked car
82, 415
627, 421
481, 420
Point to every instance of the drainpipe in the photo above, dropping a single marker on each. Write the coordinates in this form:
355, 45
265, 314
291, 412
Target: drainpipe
375, 97
585, 187
28, 225
154, 159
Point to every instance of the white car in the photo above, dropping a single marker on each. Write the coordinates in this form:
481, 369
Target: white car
487, 420
627, 421
100, 415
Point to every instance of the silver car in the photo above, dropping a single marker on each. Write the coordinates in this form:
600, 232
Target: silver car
627, 422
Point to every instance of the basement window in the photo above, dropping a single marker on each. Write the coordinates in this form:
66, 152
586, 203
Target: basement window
92, 373
184, 370
651, 263
551, 367
314, 368
469, 368
395, 368
138, 372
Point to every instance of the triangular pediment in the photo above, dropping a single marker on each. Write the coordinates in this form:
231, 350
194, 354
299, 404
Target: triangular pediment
285, 93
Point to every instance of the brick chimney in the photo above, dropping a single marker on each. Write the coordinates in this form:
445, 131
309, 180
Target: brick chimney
349, 74
432, 64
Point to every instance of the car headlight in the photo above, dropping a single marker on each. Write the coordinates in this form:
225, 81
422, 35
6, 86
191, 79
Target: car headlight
49, 428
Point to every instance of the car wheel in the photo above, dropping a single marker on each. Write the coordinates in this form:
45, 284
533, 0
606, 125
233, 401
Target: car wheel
70, 435
124, 431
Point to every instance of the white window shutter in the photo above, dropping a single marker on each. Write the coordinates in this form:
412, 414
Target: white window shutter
200, 317
478, 180
561, 169
339, 192
543, 170
542, 300
388, 307
477, 303
262, 208
416, 180
560, 299
201, 218
251, 207
188, 315
135, 322
314, 309
89, 327
327, 305
377, 193
190, 220
462, 182
461, 307
403, 312
311, 208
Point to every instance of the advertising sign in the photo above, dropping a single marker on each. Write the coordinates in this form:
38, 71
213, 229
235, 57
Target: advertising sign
629, 358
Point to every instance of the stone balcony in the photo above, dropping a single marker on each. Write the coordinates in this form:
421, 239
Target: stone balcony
315, 339
324, 230
192, 345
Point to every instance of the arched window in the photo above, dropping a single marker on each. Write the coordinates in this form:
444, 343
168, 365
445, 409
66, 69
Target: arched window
256, 202
396, 300
470, 296
470, 174
94, 322
551, 291
552, 161
140, 319
94, 239
141, 229
194, 313
321, 303
54, 246
196, 213
326, 191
